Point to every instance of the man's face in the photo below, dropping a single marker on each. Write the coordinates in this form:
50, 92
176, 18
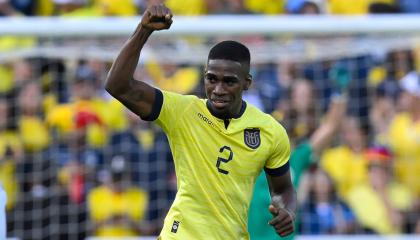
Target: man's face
224, 82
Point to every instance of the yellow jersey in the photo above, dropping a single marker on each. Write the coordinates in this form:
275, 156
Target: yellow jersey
346, 167
216, 164
103, 204
404, 138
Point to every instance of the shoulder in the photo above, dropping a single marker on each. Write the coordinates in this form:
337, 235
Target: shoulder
264, 120
176, 100
168, 94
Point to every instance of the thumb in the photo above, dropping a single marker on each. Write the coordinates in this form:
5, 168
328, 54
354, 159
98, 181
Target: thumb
273, 210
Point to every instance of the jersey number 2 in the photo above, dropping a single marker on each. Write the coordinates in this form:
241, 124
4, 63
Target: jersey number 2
224, 160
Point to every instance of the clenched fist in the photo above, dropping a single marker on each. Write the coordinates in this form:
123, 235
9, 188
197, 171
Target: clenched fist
157, 17
283, 220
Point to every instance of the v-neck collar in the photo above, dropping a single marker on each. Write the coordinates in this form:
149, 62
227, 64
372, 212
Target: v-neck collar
225, 124
241, 112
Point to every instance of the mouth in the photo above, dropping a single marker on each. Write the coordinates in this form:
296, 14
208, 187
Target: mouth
219, 103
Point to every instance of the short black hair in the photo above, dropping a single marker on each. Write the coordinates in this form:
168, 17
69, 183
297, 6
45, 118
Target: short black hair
231, 50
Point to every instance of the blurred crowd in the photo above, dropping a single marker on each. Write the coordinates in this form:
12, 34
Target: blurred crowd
83, 8
75, 163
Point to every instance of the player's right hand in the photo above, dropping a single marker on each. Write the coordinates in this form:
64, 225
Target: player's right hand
157, 17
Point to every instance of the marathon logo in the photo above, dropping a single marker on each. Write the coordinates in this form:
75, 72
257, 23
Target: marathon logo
205, 119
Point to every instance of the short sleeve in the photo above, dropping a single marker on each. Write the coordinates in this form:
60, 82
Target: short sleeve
278, 163
172, 108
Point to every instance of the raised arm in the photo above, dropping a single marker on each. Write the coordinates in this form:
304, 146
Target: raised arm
283, 203
138, 96
325, 132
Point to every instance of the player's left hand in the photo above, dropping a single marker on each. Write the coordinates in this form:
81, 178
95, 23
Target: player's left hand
283, 220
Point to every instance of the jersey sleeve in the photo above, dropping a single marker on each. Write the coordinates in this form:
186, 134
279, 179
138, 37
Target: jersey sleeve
171, 110
278, 163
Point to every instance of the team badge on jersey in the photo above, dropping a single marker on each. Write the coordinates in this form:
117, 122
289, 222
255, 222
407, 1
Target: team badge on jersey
252, 137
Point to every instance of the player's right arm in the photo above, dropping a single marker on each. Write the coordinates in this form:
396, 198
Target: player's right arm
138, 96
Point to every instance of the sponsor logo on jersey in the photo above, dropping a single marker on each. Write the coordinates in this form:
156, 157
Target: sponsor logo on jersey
252, 137
205, 119
175, 227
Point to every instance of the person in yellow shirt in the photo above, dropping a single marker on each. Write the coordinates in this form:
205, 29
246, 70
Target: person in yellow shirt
346, 164
116, 208
11, 152
356, 7
220, 144
404, 133
32, 129
265, 6
181, 80
85, 119
380, 203
187, 7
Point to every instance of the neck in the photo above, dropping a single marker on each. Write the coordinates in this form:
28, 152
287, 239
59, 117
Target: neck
239, 110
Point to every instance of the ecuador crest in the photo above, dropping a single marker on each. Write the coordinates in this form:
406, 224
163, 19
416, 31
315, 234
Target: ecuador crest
252, 137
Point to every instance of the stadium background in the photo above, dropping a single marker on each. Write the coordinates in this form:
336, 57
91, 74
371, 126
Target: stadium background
64, 140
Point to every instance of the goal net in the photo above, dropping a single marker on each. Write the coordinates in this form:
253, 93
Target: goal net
64, 140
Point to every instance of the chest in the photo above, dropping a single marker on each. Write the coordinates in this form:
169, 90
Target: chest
241, 152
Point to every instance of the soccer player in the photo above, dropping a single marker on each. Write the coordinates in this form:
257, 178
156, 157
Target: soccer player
219, 144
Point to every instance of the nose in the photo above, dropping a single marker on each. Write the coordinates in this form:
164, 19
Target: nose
219, 89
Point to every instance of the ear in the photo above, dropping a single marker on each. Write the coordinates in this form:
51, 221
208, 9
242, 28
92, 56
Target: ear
248, 82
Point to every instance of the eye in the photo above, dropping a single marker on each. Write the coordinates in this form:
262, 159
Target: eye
230, 82
211, 78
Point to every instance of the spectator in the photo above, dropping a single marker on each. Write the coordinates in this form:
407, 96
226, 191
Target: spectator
32, 129
269, 88
404, 134
310, 7
82, 130
302, 157
187, 7
52, 76
386, 79
132, 142
300, 115
270, 7
324, 212
116, 208
84, 119
346, 163
180, 79
11, 153
146, 149
356, 8
380, 203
